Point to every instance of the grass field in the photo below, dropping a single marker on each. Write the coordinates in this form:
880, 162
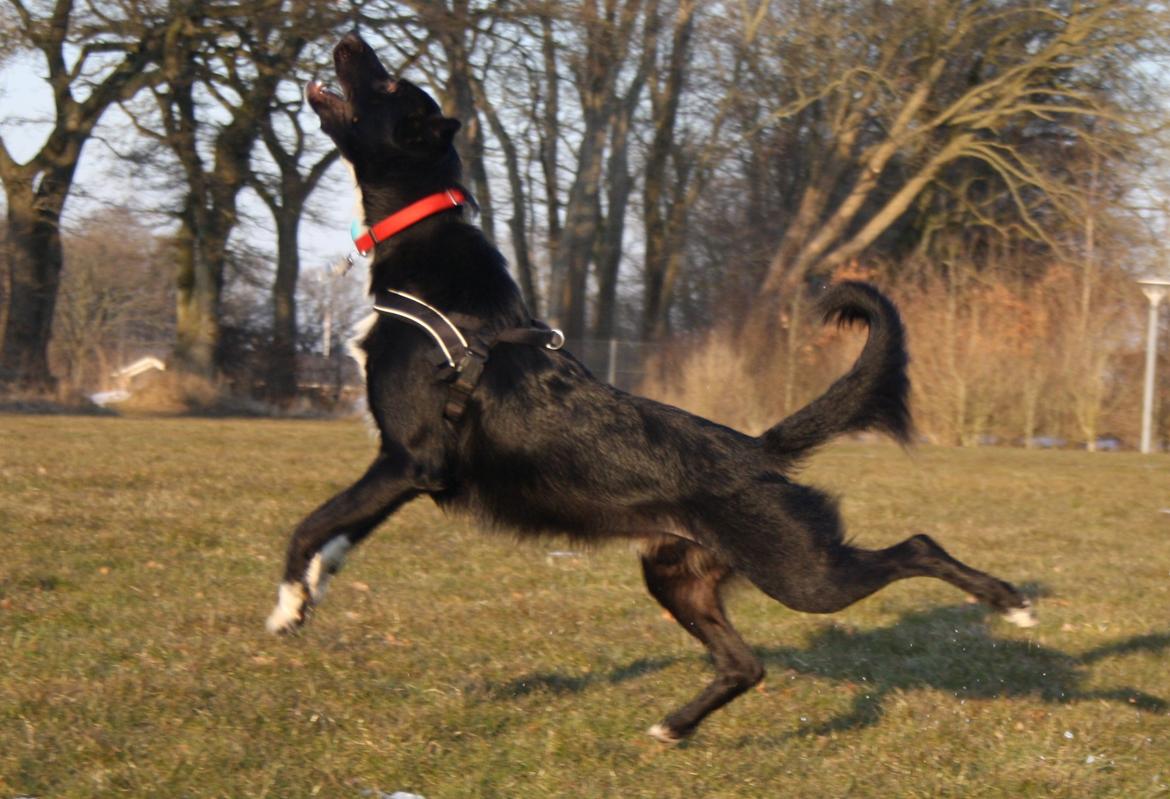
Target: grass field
140, 558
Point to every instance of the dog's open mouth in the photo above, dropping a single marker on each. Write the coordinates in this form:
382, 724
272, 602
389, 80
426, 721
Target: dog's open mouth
332, 106
359, 73
320, 92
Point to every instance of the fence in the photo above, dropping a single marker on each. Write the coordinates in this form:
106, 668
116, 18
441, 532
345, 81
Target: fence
616, 361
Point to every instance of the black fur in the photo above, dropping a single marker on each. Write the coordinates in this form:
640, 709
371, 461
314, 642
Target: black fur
546, 448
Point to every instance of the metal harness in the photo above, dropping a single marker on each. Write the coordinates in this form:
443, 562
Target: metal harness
463, 353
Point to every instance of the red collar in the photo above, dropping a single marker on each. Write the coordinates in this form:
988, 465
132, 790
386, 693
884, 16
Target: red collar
411, 214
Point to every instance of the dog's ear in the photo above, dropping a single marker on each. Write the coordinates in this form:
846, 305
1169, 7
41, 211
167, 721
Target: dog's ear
443, 130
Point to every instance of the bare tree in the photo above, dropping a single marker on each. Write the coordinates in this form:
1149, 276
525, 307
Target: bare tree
286, 194
94, 56
891, 113
881, 131
221, 86
664, 212
607, 32
116, 298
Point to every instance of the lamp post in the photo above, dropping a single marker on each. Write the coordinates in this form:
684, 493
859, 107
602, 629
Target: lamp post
1155, 289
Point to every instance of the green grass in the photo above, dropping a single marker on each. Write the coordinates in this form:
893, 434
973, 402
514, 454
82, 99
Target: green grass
140, 558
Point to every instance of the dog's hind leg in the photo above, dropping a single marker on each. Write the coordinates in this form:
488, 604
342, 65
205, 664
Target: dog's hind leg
320, 542
839, 575
791, 545
685, 578
922, 556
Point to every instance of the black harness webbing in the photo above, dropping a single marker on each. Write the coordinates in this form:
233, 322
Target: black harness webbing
463, 353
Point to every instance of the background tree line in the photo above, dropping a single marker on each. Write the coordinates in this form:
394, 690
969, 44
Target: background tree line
661, 170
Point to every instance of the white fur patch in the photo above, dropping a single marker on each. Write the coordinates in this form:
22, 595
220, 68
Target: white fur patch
289, 612
324, 564
663, 734
1024, 616
354, 345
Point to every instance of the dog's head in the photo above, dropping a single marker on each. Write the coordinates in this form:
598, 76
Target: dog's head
381, 124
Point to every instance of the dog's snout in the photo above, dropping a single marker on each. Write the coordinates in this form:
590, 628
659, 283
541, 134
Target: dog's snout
358, 67
353, 50
351, 41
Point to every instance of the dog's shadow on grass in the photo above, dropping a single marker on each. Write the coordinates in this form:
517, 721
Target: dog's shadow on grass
948, 649
951, 649
554, 682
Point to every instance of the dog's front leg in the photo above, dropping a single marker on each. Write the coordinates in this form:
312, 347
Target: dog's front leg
320, 542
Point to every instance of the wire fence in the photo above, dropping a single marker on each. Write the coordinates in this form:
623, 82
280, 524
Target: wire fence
616, 361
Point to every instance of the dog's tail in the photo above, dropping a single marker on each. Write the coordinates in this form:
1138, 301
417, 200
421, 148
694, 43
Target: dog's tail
872, 396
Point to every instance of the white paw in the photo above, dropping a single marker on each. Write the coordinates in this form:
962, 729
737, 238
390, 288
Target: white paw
1023, 616
289, 612
663, 734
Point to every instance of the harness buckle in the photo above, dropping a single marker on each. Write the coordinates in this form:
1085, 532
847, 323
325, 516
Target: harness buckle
558, 339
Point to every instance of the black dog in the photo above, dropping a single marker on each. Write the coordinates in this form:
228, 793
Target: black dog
532, 442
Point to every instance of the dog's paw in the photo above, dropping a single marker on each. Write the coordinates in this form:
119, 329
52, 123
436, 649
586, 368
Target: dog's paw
664, 734
289, 613
1023, 616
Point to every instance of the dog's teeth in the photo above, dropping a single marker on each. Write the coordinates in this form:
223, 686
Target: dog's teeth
317, 87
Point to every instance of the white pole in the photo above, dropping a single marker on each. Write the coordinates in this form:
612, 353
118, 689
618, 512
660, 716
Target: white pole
1154, 293
327, 322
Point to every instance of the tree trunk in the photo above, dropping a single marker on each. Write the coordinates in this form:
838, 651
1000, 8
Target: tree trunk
472, 146
282, 362
199, 288
610, 256
608, 32
549, 138
663, 213
518, 220
36, 190
571, 262
578, 238
35, 260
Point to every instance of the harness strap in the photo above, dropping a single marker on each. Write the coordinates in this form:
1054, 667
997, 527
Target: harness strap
463, 354
405, 306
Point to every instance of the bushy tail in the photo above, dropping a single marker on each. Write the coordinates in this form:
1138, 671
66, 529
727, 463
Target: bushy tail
872, 396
